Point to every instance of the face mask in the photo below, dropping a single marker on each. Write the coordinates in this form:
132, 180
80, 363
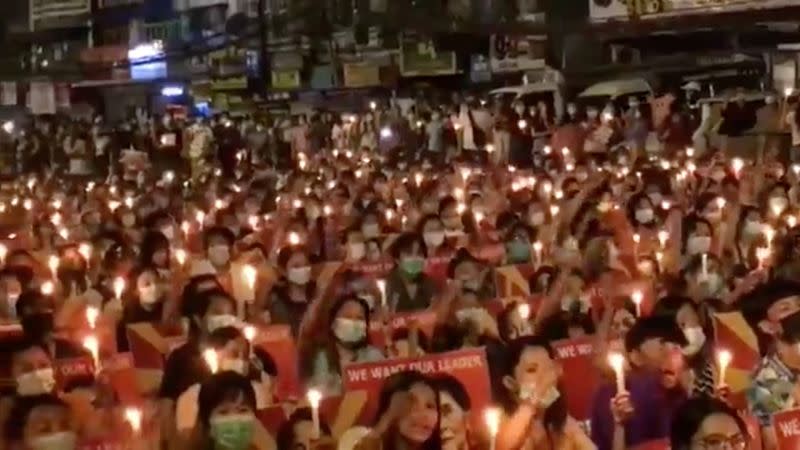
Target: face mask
644, 215
356, 250
698, 244
233, 365
38, 382
232, 432
218, 321
412, 266
219, 255
64, 440
527, 392
696, 338
168, 233
714, 216
148, 295
371, 230
537, 218
299, 275
711, 285
752, 228
518, 252
349, 331
778, 204
433, 238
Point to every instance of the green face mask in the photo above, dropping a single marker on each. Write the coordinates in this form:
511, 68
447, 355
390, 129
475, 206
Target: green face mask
232, 432
518, 252
412, 267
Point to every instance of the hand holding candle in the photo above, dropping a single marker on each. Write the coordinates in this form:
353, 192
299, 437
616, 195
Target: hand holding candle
133, 416
250, 274
92, 314
212, 359
119, 287
52, 263
724, 358
492, 419
637, 297
617, 362
91, 344
314, 398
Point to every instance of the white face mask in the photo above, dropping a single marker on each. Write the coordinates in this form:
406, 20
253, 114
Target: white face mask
148, 295
168, 233
696, 338
299, 275
215, 322
752, 228
234, 365
64, 440
219, 255
644, 215
778, 204
537, 218
356, 250
349, 331
698, 244
433, 238
38, 382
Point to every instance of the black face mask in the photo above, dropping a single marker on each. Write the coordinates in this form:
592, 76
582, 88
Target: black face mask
38, 325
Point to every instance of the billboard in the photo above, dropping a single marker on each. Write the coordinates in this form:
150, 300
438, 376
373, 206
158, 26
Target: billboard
602, 10
517, 53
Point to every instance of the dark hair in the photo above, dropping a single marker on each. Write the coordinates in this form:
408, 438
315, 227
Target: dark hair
405, 242
690, 224
264, 362
201, 302
222, 232
555, 416
689, 417
652, 327
755, 305
27, 301
462, 256
152, 242
222, 336
286, 435
21, 410
450, 385
402, 382
403, 334
221, 387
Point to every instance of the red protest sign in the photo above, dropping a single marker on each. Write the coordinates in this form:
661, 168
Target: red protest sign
468, 367
118, 371
70, 370
657, 444
278, 342
787, 429
512, 281
436, 268
580, 375
425, 321
150, 344
379, 269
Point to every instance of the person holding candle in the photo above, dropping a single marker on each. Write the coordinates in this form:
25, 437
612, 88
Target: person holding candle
535, 409
471, 275
35, 311
290, 299
146, 304
519, 244
643, 411
705, 278
296, 432
348, 342
32, 370
155, 251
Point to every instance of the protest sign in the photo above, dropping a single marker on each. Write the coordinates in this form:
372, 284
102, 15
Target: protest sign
512, 281
469, 367
787, 429
72, 370
118, 371
151, 343
581, 376
278, 342
424, 321
378, 269
732, 333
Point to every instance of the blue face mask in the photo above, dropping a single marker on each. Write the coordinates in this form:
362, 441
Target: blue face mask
412, 267
518, 252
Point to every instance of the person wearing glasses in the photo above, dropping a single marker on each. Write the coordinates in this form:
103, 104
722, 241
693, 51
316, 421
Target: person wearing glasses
706, 423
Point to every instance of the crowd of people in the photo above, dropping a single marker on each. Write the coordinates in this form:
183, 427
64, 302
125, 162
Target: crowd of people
216, 284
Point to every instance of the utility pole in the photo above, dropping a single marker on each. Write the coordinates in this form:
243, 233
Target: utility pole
264, 55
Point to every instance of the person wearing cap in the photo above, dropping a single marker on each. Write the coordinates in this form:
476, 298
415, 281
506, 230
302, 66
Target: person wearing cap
643, 412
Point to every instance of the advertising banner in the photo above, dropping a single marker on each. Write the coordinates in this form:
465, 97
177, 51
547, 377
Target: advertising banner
517, 53
602, 10
285, 79
361, 75
420, 58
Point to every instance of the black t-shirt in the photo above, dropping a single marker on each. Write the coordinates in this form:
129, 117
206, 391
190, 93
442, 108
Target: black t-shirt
185, 367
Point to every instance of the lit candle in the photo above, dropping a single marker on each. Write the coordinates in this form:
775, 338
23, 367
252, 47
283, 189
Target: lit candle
249, 273
524, 311
522, 124
769, 233
92, 313
27, 204
724, 358
704, 264
663, 237
91, 344
554, 210
212, 359
762, 254
689, 152
492, 418
119, 287
637, 298
200, 217
418, 177
737, 164
219, 204
133, 416
489, 148
636, 239
314, 397
294, 238
721, 203
382, 289
48, 288
617, 362
53, 263
478, 217
180, 256
537, 249
85, 249
185, 227
3, 253
250, 332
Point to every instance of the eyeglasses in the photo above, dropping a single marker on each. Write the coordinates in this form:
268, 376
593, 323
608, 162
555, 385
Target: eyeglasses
718, 442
